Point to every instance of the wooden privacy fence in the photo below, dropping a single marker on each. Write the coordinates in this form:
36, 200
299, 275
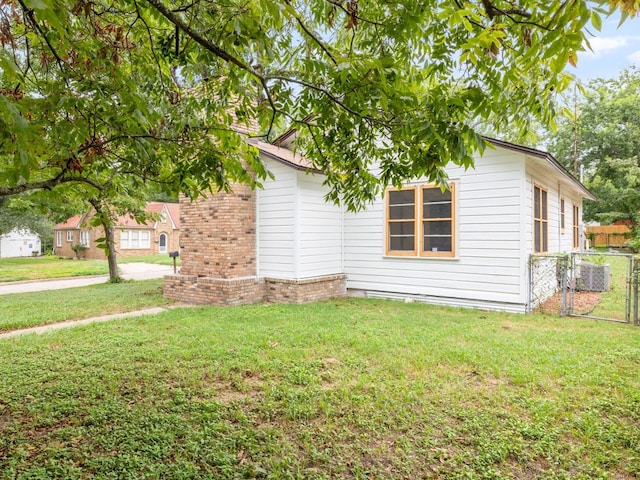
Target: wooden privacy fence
607, 235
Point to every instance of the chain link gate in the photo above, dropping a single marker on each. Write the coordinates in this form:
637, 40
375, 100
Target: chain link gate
597, 285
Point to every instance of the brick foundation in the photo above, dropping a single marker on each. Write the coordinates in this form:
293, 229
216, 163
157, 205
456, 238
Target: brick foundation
306, 290
213, 291
247, 290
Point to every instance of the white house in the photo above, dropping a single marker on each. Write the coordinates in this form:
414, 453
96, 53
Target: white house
19, 243
467, 246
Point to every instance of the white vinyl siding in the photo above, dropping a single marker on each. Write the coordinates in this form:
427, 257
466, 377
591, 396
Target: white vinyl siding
320, 230
276, 222
299, 233
487, 270
538, 173
135, 239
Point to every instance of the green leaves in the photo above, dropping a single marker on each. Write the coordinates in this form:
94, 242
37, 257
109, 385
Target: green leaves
113, 96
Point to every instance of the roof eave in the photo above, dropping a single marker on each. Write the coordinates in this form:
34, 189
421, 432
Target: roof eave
546, 156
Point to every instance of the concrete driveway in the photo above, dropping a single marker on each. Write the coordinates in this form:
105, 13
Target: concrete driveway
128, 271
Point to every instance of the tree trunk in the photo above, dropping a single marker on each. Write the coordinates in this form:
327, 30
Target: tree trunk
110, 251
114, 276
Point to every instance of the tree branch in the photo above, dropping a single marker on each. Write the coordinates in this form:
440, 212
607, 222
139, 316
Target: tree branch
29, 14
212, 47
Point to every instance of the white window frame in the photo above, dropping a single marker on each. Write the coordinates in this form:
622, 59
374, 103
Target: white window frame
58, 238
161, 248
69, 236
135, 239
84, 238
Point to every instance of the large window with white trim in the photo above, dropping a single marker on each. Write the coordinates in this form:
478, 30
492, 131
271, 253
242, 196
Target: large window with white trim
84, 238
58, 239
540, 220
421, 221
135, 239
69, 235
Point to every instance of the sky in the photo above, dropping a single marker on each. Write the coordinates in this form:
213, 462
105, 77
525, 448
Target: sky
613, 49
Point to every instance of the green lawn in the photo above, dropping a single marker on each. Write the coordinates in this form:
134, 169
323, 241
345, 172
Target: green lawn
356, 389
41, 308
613, 302
16, 269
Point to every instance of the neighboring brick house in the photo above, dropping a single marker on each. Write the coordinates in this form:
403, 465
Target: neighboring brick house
132, 239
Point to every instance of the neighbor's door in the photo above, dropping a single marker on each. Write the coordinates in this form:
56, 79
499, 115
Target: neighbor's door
163, 243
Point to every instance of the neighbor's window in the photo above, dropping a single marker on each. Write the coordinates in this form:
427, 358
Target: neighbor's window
562, 214
135, 239
576, 226
540, 220
69, 236
420, 221
84, 238
58, 239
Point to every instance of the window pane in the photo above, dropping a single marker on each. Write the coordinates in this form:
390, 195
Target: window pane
544, 236
536, 236
436, 204
401, 243
401, 228
437, 210
401, 212
438, 244
401, 196
544, 205
402, 204
402, 236
441, 227
435, 195
536, 202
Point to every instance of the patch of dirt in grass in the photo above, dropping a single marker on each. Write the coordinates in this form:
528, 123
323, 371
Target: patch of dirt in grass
583, 303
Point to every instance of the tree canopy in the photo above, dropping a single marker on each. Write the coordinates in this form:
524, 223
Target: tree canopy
110, 95
604, 138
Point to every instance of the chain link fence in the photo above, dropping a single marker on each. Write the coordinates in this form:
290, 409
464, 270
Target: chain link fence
597, 285
547, 277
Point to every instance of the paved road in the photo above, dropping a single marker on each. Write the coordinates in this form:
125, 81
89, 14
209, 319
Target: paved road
129, 271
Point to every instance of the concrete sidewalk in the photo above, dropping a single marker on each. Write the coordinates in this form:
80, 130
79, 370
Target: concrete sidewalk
128, 271
85, 321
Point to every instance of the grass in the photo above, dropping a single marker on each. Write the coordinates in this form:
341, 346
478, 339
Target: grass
343, 389
16, 269
612, 303
41, 308
41, 268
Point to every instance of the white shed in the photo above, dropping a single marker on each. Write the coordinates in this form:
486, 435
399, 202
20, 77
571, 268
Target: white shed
19, 243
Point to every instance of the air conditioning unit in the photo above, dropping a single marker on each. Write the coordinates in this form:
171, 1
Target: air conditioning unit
593, 278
